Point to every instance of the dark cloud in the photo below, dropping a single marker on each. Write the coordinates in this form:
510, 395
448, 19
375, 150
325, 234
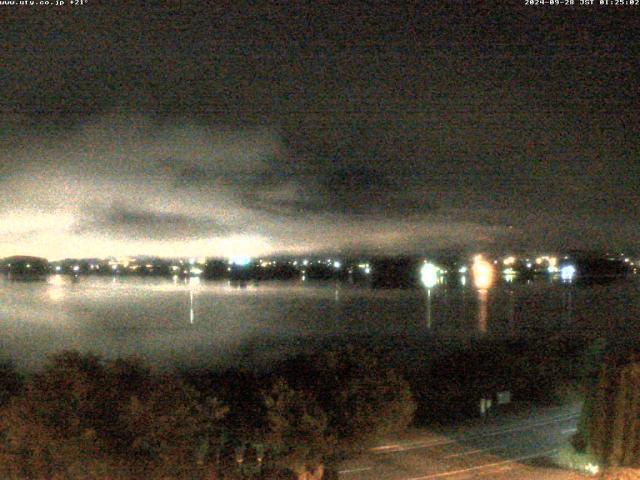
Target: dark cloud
308, 127
120, 221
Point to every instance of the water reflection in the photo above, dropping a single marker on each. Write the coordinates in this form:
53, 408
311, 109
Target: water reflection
193, 282
483, 310
191, 310
55, 289
157, 317
428, 309
482, 273
483, 280
567, 303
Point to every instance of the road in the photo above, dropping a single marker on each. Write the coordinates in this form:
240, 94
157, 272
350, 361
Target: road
501, 447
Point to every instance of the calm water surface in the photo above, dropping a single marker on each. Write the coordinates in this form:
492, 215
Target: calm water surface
210, 323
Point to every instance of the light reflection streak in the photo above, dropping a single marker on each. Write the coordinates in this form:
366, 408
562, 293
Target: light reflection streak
483, 313
483, 280
428, 309
55, 290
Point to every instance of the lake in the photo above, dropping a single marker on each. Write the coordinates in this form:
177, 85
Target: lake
198, 323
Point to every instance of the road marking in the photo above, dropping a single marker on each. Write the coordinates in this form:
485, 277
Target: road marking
470, 452
387, 449
353, 470
473, 452
569, 430
482, 467
504, 468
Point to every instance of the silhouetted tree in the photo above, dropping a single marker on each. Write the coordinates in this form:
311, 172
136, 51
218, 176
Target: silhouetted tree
610, 423
297, 431
364, 398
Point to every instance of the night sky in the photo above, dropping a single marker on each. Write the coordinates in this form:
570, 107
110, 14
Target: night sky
239, 129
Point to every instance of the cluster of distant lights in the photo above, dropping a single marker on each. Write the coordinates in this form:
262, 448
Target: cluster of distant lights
430, 274
193, 265
482, 271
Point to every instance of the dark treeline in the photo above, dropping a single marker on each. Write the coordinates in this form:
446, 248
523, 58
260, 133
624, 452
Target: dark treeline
85, 417
609, 427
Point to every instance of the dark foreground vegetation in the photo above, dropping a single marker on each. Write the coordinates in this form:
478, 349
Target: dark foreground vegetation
610, 423
85, 417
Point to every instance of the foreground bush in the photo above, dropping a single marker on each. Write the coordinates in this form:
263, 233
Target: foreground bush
297, 431
365, 399
82, 417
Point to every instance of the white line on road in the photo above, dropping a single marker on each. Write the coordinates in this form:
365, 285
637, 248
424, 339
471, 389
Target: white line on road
569, 430
387, 449
473, 452
353, 470
469, 452
481, 467
504, 468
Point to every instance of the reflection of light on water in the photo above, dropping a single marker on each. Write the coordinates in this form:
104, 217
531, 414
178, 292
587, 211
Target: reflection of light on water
567, 300
463, 280
55, 280
191, 311
483, 295
194, 282
56, 292
428, 308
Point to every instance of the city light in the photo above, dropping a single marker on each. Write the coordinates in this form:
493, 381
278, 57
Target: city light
509, 260
567, 273
482, 273
337, 264
462, 270
429, 275
240, 260
592, 468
